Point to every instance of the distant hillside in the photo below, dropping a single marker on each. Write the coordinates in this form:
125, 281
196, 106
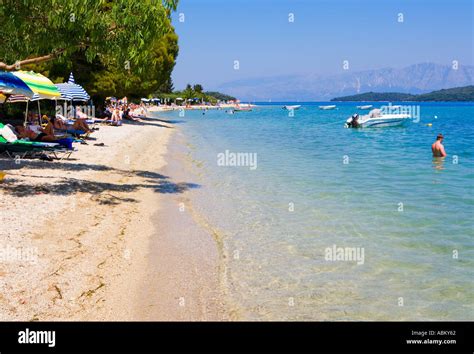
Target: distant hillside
220, 96
413, 79
465, 93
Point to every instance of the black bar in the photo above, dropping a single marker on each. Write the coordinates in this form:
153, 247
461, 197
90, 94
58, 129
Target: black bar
239, 336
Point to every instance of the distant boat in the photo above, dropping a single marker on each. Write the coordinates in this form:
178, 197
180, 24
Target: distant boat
242, 109
369, 106
327, 107
292, 108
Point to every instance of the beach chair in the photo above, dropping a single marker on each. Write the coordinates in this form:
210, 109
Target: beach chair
28, 149
31, 149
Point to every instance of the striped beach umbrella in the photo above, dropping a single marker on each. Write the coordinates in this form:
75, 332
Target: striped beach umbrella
74, 91
71, 79
22, 98
39, 84
12, 85
36, 97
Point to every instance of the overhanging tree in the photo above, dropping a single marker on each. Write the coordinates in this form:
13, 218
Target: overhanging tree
118, 32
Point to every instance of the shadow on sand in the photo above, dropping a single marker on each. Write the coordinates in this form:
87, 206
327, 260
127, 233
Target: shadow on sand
169, 121
143, 122
99, 191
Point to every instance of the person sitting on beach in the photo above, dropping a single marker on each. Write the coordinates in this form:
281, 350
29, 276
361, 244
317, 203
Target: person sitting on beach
437, 148
126, 113
116, 117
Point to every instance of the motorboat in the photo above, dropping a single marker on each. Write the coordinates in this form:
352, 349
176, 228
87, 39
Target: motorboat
327, 107
377, 118
369, 106
292, 108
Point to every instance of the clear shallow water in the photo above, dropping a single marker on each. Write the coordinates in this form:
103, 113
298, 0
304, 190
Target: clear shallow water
276, 266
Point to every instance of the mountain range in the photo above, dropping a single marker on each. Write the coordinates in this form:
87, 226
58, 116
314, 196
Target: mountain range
413, 79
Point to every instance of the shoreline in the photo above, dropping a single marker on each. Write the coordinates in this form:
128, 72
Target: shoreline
185, 254
102, 252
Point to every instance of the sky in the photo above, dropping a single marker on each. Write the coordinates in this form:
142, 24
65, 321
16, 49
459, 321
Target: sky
369, 34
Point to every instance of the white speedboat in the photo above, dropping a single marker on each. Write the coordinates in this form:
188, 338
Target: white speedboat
292, 108
369, 106
327, 107
376, 118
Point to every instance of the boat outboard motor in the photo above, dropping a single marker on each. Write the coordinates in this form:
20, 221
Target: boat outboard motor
352, 122
355, 121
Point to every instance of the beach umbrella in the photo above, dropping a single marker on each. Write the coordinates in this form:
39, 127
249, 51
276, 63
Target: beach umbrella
22, 98
73, 92
71, 79
12, 85
40, 85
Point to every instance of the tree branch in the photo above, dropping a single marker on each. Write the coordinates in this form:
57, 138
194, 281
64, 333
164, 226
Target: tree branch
11, 67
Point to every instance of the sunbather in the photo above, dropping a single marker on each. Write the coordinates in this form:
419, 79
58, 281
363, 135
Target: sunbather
23, 133
79, 124
30, 134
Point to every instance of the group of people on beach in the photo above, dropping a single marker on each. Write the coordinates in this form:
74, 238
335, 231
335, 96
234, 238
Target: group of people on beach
119, 112
77, 126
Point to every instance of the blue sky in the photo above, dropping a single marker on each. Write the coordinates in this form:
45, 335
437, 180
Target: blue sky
324, 33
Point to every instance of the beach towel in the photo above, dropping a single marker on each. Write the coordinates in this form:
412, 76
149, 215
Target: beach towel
8, 134
66, 142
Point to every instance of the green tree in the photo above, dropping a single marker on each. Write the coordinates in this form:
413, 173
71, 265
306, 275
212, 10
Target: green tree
109, 80
117, 32
198, 88
188, 92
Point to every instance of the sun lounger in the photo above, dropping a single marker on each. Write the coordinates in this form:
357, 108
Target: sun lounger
23, 148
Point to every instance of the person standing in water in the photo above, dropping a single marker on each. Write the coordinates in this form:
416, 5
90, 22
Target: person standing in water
437, 148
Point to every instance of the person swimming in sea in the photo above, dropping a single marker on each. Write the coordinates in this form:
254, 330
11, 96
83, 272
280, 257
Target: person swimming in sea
437, 148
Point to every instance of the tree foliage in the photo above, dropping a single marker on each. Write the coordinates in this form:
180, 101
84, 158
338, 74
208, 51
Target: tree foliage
114, 48
117, 32
195, 93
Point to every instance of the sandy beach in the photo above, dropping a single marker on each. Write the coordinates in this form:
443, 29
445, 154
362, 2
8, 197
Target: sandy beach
106, 235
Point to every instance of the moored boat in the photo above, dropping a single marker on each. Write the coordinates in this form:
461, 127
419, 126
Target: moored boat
328, 107
369, 106
377, 119
292, 108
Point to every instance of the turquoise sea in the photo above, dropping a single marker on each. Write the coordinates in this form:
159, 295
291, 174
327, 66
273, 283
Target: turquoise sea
318, 186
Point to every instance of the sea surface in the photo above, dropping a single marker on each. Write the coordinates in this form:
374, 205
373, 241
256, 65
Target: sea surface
317, 188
